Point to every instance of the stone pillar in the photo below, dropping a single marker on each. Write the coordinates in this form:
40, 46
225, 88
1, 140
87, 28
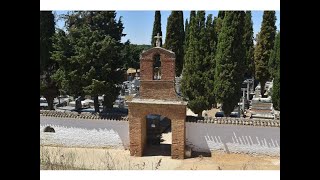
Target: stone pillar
178, 138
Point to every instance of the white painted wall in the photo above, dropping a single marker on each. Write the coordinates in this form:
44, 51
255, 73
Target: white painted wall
85, 133
206, 137
202, 137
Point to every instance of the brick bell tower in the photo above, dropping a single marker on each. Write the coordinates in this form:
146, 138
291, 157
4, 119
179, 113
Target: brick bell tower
157, 96
157, 74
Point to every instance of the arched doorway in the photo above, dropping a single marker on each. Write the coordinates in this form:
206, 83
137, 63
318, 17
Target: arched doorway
157, 67
139, 109
158, 135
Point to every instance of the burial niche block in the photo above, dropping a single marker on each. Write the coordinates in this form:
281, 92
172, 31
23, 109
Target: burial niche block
49, 129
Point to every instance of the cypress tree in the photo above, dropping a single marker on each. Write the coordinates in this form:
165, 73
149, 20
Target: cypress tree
218, 24
186, 39
221, 14
263, 48
192, 15
195, 83
156, 28
248, 42
48, 87
209, 46
230, 61
274, 61
276, 90
175, 38
275, 57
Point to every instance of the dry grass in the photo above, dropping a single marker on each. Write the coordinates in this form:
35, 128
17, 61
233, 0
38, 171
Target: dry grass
57, 158
63, 158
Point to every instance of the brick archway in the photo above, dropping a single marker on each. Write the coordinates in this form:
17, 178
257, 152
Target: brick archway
157, 97
139, 109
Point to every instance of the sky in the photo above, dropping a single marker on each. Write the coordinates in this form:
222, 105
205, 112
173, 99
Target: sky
138, 25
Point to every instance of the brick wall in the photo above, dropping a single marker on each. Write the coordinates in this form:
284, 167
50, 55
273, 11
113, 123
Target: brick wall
157, 90
137, 126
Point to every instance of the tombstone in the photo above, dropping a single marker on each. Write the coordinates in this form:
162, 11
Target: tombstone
78, 104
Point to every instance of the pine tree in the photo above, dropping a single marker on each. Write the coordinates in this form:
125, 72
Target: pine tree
91, 64
195, 83
156, 28
175, 38
263, 48
230, 61
47, 66
248, 42
275, 58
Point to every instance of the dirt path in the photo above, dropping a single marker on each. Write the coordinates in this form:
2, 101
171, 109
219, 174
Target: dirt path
113, 159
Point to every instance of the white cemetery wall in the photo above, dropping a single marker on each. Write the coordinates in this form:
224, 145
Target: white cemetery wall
72, 132
207, 137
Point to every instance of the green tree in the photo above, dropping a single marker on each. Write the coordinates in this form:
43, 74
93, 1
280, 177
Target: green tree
217, 21
92, 63
131, 54
248, 42
186, 39
175, 38
187, 27
275, 60
196, 83
156, 28
230, 61
48, 87
263, 48
276, 90
221, 14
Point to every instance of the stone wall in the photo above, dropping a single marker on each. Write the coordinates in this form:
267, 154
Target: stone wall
211, 137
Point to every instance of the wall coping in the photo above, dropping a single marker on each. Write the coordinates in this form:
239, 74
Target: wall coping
225, 120
239, 121
84, 115
157, 101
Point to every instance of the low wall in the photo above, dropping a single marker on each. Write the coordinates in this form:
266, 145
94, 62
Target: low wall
236, 135
73, 132
207, 137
